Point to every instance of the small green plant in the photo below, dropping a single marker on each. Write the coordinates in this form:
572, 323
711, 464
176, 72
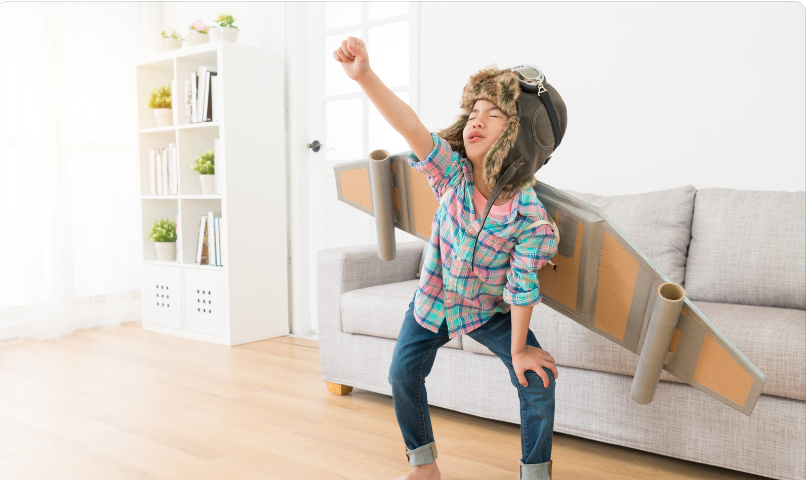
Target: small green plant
225, 20
160, 97
164, 230
173, 35
204, 164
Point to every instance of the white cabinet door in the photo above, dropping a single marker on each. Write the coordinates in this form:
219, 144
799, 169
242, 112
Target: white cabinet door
161, 296
205, 301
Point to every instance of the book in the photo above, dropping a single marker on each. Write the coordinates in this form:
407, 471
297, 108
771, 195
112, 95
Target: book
200, 91
187, 102
170, 166
219, 241
165, 167
212, 244
200, 240
152, 180
193, 98
208, 96
215, 106
204, 98
159, 174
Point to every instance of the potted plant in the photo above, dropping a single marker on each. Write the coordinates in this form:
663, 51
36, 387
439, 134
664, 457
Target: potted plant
160, 99
224, 30
164, 233
169, 42
204, 165
197, 34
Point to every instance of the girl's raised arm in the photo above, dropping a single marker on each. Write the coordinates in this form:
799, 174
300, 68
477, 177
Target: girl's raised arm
353, 57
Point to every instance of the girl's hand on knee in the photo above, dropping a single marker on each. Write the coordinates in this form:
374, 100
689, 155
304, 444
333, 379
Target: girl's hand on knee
533, 358
353, 57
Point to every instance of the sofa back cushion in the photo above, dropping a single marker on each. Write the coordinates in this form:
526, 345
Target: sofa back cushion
422, 260
748, 248
658, 223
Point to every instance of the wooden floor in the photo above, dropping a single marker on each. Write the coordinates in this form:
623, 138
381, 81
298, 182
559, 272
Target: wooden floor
132, 404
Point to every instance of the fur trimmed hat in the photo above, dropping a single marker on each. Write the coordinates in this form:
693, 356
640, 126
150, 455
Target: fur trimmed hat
527, 139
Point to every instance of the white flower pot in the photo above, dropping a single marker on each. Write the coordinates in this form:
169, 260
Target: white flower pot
166, 251
208, 185
194, 37
227, 34
166, 44
163, 117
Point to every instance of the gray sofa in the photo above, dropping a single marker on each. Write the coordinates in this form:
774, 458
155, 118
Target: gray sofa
740, 255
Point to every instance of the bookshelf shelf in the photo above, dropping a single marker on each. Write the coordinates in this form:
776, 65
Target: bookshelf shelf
245, 299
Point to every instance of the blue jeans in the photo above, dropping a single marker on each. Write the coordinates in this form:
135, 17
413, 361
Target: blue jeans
413, 359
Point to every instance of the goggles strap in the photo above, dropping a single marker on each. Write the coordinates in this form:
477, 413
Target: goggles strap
552, 115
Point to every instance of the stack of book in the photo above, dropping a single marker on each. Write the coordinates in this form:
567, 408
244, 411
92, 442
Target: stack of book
201, 93
209, 248
164, 171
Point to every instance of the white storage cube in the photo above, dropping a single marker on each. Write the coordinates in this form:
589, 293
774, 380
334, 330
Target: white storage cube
205, 301
162, 296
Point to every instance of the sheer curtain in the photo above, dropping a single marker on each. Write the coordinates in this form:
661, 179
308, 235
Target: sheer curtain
70, 238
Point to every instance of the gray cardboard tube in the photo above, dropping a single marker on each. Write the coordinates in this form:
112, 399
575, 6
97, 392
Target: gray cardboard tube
381, 199
666, 310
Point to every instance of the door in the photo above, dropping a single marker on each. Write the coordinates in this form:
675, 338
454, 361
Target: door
346, 123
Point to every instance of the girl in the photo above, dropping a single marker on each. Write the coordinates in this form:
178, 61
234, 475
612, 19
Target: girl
479, 278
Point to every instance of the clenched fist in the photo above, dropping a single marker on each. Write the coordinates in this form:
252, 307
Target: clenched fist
353, 57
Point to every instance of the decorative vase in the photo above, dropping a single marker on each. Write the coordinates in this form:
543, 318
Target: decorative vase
196, 38
166, 251
208, 185
166, 44
227, 34
163, 117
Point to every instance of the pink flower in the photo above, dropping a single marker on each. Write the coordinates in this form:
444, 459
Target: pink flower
199, 26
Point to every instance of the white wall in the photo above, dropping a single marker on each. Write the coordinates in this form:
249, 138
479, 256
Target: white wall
659, 95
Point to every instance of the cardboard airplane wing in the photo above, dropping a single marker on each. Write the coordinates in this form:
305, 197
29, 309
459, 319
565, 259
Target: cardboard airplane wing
599, 279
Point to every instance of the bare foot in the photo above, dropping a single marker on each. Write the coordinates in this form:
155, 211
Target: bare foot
428, 471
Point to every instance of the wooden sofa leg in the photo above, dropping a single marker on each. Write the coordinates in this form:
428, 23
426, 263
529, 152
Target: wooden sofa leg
338, 389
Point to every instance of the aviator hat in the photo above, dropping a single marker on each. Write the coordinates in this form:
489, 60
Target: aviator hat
536, 125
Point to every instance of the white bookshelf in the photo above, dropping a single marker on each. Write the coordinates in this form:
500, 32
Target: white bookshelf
244, 300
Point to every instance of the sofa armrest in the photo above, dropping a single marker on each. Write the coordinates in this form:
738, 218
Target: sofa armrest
350, 268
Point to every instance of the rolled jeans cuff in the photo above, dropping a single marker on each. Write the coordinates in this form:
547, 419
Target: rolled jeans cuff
535, 471
422, 455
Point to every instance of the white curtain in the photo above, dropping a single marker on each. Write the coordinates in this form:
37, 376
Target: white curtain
70, 220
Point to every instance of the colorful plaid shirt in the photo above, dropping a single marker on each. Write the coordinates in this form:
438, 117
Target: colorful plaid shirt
508, 254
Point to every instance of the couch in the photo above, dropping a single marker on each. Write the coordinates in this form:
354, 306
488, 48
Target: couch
740, 256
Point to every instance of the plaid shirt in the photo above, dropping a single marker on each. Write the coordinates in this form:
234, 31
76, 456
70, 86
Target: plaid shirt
507, 257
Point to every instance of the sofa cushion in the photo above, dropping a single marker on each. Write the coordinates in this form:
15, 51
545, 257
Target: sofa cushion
422, 260
748, 247
380, 310
777, 350
658, 223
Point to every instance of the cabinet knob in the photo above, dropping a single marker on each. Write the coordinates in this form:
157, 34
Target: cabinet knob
315, 146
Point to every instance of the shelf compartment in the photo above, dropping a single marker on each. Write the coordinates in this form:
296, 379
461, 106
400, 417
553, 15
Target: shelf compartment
153, 210
149, 77
192, 210
192, 143
156, 140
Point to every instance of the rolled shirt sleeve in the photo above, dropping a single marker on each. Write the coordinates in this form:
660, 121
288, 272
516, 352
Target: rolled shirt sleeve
442, 165
534, 248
